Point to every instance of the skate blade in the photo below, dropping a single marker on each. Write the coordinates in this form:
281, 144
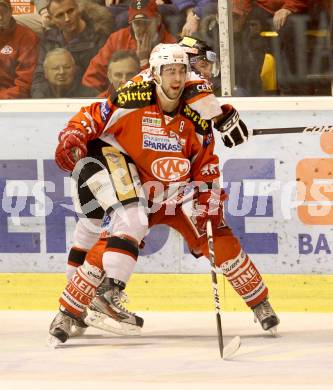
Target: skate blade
77, 331
231, 348
273, 331
53, 342
102, 321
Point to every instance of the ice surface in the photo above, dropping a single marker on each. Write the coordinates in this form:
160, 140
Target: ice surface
175, 351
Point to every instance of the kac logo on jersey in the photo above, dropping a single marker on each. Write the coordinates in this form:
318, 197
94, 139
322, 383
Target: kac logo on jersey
170, 168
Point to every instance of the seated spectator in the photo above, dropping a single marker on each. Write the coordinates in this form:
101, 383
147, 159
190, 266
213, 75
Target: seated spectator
171, 16
74, 31
123, 65
144, 32
18, 55
62, 79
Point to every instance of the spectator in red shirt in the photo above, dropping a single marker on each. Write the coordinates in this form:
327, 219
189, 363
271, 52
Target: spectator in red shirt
280, 10
144, 32
18, 55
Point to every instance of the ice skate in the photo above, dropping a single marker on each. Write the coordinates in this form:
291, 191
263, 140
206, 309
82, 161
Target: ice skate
107, 312
60, 329
78, 326
265, 314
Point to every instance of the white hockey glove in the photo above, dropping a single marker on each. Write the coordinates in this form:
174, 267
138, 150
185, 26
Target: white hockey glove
233, 130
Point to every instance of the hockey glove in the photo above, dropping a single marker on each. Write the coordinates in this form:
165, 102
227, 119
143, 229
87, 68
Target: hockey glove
71, 148
233, 130
209, 205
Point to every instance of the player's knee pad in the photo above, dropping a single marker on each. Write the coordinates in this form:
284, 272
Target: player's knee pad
86, 233
130, 220
76, 258
123, 244
119, 258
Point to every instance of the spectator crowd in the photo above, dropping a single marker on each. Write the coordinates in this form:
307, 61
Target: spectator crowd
84, 48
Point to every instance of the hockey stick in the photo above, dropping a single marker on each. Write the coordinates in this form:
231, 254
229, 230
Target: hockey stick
287, 130
234, 344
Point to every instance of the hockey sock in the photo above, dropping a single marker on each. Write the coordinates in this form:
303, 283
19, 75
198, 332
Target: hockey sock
81, 289
245, 279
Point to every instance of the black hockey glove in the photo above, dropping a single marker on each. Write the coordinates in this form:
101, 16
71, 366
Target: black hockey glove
233, 130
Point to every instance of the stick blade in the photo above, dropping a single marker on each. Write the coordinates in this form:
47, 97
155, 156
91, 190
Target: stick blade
231, 348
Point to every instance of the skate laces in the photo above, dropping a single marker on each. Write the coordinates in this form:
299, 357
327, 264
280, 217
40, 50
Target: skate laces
119, 298
123, 297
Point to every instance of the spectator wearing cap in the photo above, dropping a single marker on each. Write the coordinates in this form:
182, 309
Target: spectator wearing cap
18, 55
123, 65
73, 31
145, 31
61, 76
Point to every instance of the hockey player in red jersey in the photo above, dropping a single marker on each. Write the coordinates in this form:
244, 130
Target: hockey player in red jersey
149, 129
198, 94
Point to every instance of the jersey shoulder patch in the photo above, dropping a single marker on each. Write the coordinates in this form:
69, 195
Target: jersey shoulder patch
194, 89
202, 126
135, 95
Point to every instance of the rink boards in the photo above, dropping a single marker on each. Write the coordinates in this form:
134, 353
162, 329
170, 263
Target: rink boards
174, 292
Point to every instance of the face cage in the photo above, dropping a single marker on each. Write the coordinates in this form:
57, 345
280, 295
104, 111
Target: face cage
209, 56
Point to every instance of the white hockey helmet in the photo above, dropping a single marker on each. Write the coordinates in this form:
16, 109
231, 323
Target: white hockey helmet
165, 54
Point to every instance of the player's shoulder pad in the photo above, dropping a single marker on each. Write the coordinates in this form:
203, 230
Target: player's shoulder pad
196, 86
135, 95
202, 126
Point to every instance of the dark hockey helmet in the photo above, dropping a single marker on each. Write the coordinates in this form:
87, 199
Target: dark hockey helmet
198, 50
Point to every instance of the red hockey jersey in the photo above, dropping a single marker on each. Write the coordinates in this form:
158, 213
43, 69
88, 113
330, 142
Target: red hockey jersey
165, 150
